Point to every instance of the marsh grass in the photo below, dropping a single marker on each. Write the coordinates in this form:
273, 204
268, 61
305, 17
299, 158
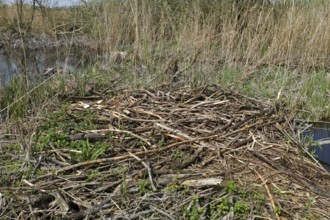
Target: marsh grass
286, 35
252, 46
245, 33
269, 51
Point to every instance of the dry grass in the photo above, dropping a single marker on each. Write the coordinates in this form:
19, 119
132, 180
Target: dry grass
212, 41
288, 35
291, 35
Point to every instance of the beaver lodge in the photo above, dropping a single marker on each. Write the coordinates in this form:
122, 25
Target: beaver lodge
164, 153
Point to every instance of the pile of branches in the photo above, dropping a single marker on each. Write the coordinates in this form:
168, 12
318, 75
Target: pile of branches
174, 153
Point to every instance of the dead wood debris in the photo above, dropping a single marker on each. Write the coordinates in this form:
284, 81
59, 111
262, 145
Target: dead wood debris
165, 148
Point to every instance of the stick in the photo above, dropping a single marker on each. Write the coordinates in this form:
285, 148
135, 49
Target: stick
161, 211
119, 131
118, 158
148, 169
264, 183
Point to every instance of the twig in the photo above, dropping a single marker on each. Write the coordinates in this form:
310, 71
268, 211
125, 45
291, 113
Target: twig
302, 180
118, 158
264, 183
263, 112
279, 127
119, 131
161, 211
179, 133
91, 211
148, 169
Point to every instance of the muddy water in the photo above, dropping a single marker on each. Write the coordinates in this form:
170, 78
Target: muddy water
38, 53
8, 68
319, 132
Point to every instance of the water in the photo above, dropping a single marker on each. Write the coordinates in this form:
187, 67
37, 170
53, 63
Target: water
319, 134
37, 63
41, 53
8, 68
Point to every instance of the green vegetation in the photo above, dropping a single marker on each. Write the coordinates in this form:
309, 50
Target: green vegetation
274, 52
195, 210
92, 152
223, 207
173, 188
260, 198
311, 202
177, 155
238, 205
267, 50
231, 187
278, 210
93, 174
144, 187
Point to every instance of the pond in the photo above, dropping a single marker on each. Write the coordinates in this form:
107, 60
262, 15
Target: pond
317, 134
8, 68
36, 54
36, 63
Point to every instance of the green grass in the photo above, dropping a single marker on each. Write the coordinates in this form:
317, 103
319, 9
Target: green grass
306, 92
232, 202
